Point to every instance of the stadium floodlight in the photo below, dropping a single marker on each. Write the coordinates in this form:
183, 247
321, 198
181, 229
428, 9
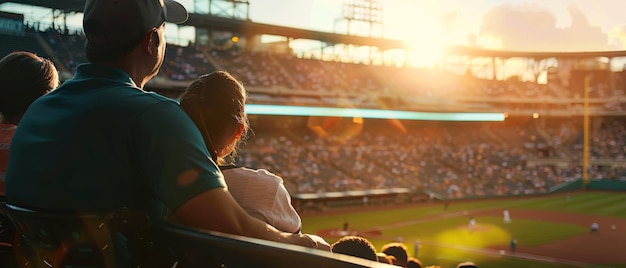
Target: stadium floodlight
363, 10
263, 109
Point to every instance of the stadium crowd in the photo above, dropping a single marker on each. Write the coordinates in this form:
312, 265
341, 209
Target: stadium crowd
264, 69
452, 159
456, 160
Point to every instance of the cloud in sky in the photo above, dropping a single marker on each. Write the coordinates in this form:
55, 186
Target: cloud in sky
532, 28
531, 25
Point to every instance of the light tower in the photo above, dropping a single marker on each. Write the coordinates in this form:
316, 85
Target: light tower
366, 14
360, 17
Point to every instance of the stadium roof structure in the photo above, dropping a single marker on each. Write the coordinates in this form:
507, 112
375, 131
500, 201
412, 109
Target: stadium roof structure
243, 27
248, 27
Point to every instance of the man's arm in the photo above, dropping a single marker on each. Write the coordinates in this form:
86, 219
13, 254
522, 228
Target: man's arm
171, 153
217, 210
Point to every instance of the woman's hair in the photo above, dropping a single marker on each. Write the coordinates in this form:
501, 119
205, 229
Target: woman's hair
215, 102
24, 77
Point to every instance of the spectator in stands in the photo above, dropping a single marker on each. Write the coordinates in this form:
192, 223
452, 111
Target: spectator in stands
413, 262
467, 264
24, 77
384, 258
215, 102
105, 144
398, 250
355, 246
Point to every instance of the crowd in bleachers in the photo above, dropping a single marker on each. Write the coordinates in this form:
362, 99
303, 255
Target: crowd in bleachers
184, 63
263, 69
67, 47
456, 159
254, 69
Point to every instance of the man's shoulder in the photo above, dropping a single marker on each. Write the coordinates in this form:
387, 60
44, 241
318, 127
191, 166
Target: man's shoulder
150, 98
107, 92
107, 82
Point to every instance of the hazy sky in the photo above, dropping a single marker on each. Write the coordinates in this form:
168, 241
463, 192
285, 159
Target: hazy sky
527, 25
531, 25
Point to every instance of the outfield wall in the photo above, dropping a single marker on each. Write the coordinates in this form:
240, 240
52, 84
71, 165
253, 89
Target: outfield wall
601, 185
323, 201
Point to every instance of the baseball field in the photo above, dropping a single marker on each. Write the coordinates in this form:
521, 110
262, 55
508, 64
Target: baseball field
550, 230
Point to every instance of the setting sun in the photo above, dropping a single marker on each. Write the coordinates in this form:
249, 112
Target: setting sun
424, 51
422, 31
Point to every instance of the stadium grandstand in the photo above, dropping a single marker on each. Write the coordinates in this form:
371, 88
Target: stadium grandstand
538, 146
564, 112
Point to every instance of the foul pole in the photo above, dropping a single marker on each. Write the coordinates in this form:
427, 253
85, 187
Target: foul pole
586, 133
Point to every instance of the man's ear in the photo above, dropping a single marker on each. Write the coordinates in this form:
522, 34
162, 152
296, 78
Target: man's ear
155, 37
150, 40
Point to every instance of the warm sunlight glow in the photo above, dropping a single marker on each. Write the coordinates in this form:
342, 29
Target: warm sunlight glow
425, 53
420, 26
485, 235
490, 42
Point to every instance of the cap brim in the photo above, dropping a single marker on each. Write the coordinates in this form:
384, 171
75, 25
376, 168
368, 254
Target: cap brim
176, 13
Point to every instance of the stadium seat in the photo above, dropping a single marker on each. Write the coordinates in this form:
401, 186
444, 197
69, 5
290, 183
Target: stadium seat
7, 232
53, 239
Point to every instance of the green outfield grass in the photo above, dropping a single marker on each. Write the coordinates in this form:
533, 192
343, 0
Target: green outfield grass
445, 242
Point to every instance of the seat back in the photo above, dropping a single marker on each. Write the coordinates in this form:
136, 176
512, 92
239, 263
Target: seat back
200, 248
121, 239
53, 239
7, 235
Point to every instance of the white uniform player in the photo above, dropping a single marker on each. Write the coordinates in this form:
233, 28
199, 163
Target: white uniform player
507, 216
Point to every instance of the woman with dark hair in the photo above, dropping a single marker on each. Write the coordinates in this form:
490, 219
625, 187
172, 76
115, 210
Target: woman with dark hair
24, 77
215, 102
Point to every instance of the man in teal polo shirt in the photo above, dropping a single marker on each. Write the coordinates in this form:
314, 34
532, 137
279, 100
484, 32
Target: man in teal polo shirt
99, 142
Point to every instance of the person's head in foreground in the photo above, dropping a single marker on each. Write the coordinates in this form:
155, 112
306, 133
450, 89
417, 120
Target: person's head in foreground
24, 77
216, 102
355, 246
413, 262
397, 250
384, 258
129, 34
467, 264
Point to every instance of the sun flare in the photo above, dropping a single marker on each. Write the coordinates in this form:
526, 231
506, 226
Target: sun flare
424, 52
420, 26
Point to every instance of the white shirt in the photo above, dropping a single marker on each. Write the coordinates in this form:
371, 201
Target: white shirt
263, 195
